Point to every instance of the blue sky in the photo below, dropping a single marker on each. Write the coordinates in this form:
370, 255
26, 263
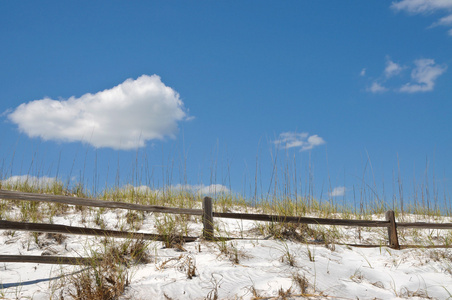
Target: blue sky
207, 92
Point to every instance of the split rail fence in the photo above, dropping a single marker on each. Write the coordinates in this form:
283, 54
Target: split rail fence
206, 212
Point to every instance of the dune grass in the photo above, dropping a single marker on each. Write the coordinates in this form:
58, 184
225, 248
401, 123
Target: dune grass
108, 278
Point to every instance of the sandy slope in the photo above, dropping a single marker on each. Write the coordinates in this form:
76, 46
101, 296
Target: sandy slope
263, 267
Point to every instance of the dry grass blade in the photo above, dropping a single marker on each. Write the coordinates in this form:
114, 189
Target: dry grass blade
108, 273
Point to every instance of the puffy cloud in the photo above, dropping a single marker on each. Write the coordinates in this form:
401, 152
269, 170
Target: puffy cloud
197, 189
123, 117
299, 140
37, 182
426, 6
424, 75
213, 189
202, 189
392, 68
338, 191
377, 88
142, 189
363, 72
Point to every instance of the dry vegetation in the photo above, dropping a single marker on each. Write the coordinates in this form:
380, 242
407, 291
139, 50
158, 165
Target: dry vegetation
109, 271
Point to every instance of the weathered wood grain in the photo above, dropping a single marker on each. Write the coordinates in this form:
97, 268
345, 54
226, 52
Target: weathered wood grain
207, 218
392, 230
13, 195
206, 212
61, 260
425, 225
52, 228
302, 220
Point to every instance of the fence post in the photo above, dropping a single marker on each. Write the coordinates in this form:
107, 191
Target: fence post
392, 230
207, 218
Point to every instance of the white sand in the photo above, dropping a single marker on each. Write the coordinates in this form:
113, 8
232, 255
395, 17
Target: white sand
338, 272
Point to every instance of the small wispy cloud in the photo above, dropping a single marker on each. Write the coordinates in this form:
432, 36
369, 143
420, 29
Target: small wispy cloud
338, 191
423, 76
425, 7
392, 68
303, 140
123, 117
444, 21
422, 6
363, 72
376, 88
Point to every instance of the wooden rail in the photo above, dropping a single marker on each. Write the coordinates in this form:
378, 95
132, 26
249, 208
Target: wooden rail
207, 218
12, 195
425, 225
302, 220
63, 260
390, 223
52, 228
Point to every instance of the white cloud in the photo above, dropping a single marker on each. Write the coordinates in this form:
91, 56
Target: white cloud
445, 21
37, 182
377, 88
123, 117
423, 76
299, 140
195, 189
213, 189
338, 191
142, 189
426, 6
363, 72
422, 6
392, 68
201, 189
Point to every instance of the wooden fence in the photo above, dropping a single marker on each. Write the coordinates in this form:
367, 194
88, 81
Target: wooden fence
207, 217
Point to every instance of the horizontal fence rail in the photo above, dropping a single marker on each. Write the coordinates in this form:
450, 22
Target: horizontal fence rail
390, 223
302, 220
207, 219
425, 225
13, 195
63, 260
52, 228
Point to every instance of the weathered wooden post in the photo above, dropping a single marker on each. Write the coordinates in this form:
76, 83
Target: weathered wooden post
392, 230
207, 218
